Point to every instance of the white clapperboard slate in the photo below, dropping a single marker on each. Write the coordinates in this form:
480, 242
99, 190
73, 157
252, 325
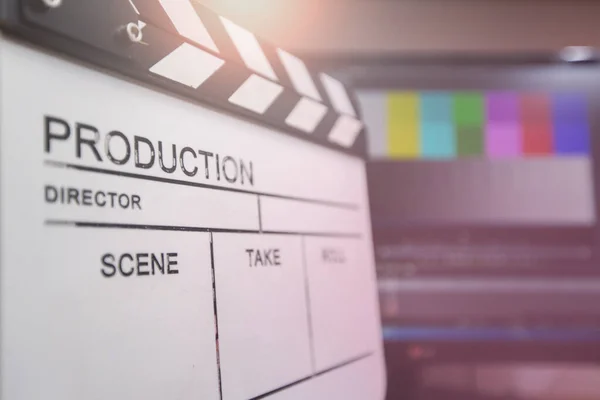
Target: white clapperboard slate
184, 212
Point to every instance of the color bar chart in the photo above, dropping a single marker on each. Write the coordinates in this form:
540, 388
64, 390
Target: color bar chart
496, 125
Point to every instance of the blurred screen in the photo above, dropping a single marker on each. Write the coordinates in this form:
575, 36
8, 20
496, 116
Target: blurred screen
500, 158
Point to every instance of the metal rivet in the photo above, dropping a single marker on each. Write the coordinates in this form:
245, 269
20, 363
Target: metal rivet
134, 32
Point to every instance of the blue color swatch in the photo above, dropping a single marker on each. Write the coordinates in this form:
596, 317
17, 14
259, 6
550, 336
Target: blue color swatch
570, 124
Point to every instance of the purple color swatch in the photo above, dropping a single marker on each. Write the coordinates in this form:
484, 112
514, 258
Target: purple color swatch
503, 135
502, 107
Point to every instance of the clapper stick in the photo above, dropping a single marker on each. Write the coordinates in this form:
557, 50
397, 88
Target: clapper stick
183, 211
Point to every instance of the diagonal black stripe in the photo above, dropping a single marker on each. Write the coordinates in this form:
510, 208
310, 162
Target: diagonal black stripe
325, 126
316, 77
281, 72
152, 11
360, 143
217, 31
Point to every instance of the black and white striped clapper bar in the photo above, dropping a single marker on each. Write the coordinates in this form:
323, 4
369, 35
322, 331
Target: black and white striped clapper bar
183, 212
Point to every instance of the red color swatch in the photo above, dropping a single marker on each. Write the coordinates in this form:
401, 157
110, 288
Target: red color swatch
536, 122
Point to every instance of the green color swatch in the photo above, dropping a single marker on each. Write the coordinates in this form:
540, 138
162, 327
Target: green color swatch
469, 120
469, 141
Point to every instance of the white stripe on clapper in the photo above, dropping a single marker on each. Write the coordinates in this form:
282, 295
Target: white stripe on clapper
188, 23
249, 49
338, 95
306, 115
299, 75
256, 94
188, 65
345, 131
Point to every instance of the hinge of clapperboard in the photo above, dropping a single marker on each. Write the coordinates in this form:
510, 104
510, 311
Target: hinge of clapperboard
135, 30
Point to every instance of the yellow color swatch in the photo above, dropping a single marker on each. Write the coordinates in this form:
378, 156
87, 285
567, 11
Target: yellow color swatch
403, 125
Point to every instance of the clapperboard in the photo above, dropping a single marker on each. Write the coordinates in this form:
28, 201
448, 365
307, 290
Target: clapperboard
184, 212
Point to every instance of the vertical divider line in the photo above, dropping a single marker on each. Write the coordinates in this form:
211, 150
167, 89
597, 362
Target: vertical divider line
260, 229
214, 286
311, 338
